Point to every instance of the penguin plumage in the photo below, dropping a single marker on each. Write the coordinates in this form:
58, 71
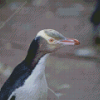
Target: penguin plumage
28, 81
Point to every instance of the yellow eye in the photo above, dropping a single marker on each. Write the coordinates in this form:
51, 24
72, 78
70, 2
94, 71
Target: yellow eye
51, 40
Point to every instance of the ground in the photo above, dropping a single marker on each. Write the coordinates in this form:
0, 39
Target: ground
69, 75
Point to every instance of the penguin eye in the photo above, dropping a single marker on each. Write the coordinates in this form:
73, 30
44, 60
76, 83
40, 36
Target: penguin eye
51, 40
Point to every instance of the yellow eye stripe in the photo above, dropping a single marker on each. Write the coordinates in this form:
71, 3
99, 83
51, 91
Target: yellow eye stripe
45, 36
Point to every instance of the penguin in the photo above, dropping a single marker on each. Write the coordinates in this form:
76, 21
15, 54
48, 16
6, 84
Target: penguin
28, 80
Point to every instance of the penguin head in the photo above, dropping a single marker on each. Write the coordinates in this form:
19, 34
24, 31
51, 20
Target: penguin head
51, 40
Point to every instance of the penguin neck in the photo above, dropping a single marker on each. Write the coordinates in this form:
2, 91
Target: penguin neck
34, 58
37, 68
35, 55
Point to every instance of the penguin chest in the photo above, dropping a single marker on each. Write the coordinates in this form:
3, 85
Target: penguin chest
35, 86
35, 91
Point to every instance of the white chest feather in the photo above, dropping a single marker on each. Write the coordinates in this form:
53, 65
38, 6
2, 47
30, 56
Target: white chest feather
35, 86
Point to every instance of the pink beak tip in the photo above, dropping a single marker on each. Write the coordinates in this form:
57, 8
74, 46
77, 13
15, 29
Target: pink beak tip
76, 42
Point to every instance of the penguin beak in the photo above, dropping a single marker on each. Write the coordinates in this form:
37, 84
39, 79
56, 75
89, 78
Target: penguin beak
69, 41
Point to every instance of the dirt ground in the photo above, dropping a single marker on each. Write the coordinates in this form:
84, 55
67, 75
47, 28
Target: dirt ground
72, 77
